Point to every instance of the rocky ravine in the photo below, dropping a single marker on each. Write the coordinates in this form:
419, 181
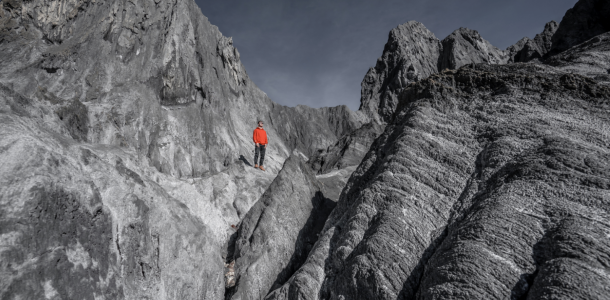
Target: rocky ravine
125, 149
489, 182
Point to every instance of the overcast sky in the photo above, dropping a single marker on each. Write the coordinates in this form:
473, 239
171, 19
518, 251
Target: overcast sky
316, 52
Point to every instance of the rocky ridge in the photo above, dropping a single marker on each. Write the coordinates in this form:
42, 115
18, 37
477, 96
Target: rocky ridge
489, 181
125, 148
484, 186
278, 232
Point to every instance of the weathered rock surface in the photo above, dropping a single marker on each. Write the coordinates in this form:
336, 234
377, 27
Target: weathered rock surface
591, 59
126, 149
277, 234
585, 20
347, 151
491, 182
527, 49
413, 53
335, 164
465, 46
409, 55
82, 221
156, 78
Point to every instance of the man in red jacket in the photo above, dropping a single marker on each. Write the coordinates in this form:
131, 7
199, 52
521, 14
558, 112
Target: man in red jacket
260, 142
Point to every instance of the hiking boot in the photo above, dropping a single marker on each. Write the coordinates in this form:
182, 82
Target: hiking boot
261, 167
256, 166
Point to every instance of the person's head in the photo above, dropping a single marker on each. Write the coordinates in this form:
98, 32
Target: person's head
260, 123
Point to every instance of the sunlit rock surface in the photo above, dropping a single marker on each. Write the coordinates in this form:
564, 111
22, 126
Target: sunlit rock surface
126, 164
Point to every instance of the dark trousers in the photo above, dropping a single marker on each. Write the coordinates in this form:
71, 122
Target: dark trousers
259, 149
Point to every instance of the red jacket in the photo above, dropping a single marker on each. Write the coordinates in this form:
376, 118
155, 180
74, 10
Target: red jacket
260, 136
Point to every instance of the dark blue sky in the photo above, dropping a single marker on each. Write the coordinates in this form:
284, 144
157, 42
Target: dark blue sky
316, 52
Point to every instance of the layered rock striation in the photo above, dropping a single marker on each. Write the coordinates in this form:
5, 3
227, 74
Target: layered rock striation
125, 146
276, 235
491, 182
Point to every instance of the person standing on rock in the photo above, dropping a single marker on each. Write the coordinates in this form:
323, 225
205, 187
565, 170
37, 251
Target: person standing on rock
260, 142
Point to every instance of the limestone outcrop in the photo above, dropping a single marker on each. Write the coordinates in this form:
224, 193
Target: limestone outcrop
527, 49
408, 56
491, 182
278, 232
127, 151
585, 20
468, 172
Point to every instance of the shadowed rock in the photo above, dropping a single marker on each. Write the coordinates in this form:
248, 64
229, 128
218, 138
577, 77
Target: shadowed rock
347, 151
591, 59
585, 20
277, 234
527, 49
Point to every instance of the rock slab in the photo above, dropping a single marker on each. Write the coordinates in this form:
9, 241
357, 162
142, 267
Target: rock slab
278, 232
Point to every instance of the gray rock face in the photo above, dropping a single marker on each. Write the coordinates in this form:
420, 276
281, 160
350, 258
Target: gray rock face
413, 53
526, 49
585, 20
278, 232
347, 151
126, 149
335, 164
156, 78
491, 182
409, 55
591, 59
465, 46
82, 221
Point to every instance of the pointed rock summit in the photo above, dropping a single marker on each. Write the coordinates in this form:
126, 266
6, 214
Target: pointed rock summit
408, 56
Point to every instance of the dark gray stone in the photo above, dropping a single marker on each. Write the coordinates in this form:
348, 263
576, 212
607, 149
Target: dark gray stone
527, 50
461, 192
347, 151
465, 46
585, 20
409, 55
591, 59
276, 235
